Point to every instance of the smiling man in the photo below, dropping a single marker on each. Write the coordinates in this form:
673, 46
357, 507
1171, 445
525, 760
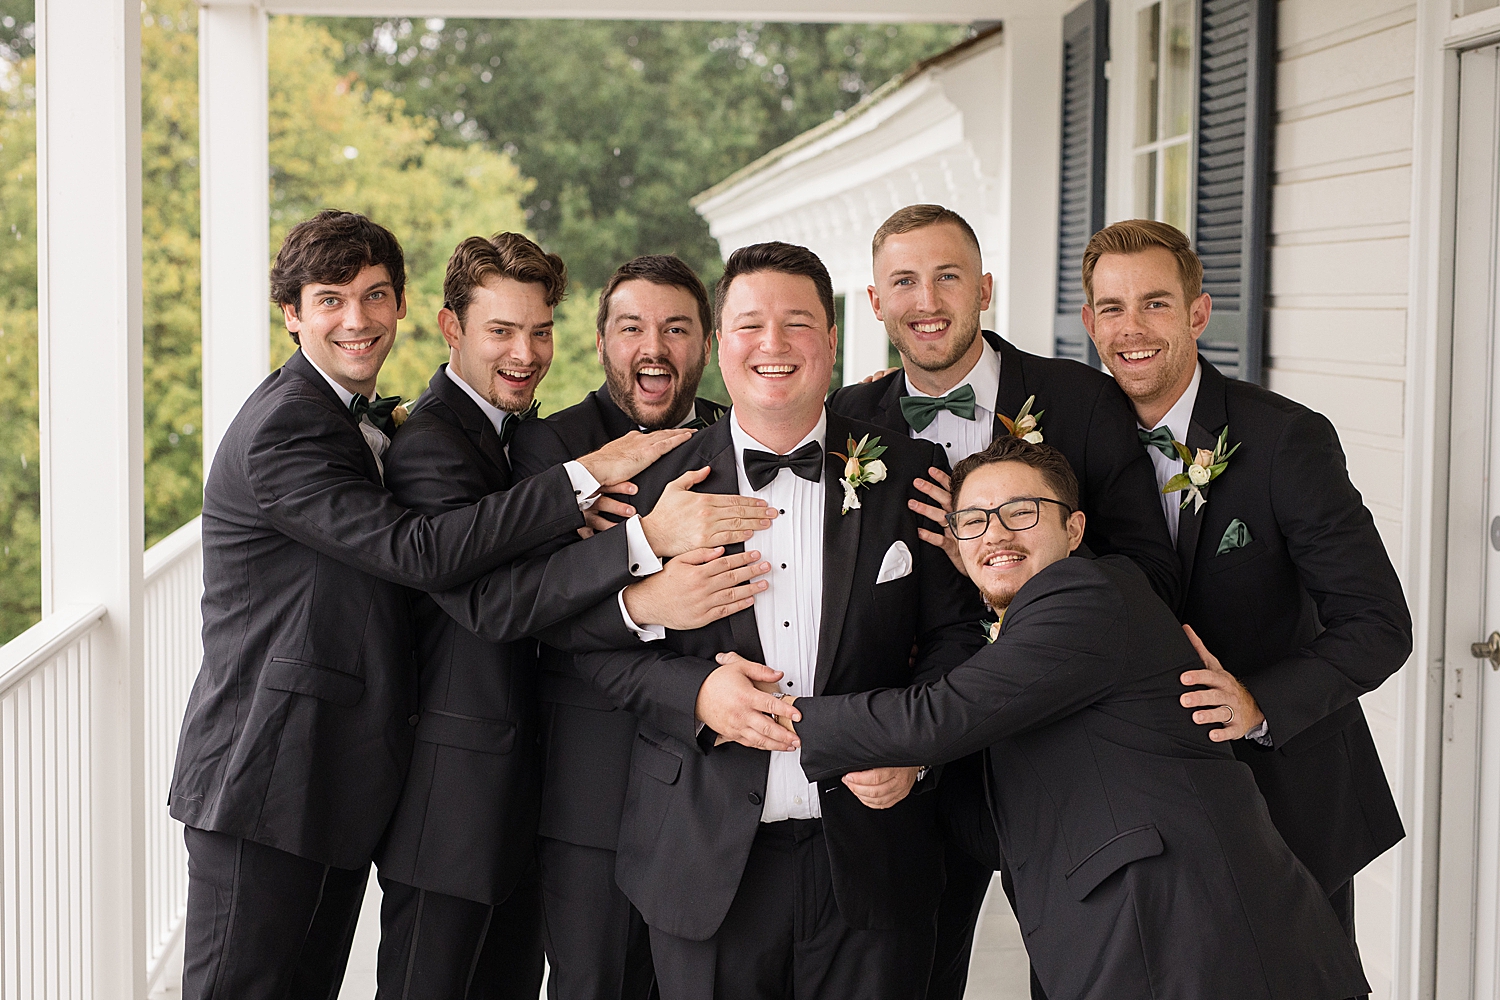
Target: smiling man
1143, 859
1285, 575
300, 725
955, 384
756, 882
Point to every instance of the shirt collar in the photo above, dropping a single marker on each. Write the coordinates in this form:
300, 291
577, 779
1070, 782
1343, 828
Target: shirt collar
1181, 413
345, 396
984, 377
493, 413
743, 440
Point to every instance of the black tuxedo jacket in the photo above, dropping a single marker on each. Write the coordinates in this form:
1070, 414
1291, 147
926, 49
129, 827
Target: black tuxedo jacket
586, 739
693, 809
1143, 858
299, 727
468, 813
1309, 616
1089, 420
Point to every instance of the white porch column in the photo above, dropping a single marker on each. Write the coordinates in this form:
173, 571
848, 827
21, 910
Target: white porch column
865, 344
1026, 280
89, 305
234, 171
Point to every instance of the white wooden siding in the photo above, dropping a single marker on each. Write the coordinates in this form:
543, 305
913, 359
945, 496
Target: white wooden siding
1340, 227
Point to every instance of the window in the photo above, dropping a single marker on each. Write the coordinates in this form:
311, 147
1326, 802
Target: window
1164, 92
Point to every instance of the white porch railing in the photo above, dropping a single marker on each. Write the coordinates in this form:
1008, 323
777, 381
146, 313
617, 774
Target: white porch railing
173, 623
47, 883
46, 897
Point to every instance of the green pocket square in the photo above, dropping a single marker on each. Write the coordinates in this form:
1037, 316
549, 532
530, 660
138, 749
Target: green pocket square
1236, 536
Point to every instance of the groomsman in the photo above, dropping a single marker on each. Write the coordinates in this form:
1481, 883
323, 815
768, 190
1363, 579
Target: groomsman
461, 910
300, 725
652, 336
956, 386
754, 881
1287, 580
1144, 862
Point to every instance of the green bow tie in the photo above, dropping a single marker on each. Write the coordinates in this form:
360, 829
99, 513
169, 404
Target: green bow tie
1160, 439
920, 411
378, 412
696, 424
513, 420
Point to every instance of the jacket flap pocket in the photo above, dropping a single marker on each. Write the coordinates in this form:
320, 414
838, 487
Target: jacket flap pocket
1234, 557
467, 732
1111, 856
301, 677
657, 761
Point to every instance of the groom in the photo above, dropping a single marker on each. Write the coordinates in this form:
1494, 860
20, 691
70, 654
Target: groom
754, 881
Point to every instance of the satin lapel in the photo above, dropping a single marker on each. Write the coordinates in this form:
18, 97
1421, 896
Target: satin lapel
471, 418
723, 477
890, 407
1013, 393
1203, 432
840, 549
299, 364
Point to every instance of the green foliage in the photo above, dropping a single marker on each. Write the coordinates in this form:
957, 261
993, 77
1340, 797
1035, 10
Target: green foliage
621, 122
20, 484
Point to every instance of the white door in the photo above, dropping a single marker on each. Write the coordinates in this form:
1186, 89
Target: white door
1468, 959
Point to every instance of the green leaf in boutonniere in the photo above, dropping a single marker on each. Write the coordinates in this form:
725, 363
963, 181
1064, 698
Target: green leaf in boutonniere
1027, 425
1200, 469
862, 467
992, 629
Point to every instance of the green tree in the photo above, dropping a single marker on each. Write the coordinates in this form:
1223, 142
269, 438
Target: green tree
621, 122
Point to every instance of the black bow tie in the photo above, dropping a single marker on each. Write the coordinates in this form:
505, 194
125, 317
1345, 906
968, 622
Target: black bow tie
513, 420
761, 466
378, 412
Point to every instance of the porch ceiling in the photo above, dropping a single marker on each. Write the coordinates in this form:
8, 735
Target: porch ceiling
958, 11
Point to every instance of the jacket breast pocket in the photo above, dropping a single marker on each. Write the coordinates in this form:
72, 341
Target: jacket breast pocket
656, 761
466, 732
1111, 856
302, 677
1237, 557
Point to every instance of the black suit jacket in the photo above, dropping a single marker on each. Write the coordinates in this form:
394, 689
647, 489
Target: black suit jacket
1089, 420
468, 813
1309, 616
299, 727
586, 739
693, 809
1144, 861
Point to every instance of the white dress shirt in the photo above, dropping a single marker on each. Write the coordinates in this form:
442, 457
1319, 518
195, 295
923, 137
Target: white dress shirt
643, 562
961, 438
1176, 420
789, 611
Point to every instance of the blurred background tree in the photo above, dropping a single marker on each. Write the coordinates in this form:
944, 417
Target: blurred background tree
589, 135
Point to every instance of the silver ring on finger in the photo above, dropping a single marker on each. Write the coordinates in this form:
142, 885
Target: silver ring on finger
1231, 714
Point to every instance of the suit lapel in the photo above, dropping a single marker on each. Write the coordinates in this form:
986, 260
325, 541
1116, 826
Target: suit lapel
476, 425
840, 550
1203, 432
1013, 393
299, 365
717, 448
889, 414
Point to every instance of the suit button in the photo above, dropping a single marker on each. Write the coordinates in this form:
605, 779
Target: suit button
755, 798
413, 720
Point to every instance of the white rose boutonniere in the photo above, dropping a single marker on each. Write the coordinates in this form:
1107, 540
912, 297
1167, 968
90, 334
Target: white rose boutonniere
1200, 469
1027, 425
862, 467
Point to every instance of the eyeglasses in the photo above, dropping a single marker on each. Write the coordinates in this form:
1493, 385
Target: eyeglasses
1015, 515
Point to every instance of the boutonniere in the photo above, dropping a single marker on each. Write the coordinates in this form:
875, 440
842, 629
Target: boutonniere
862, 467
1027, 425
992, 629
399, 415
1200, 469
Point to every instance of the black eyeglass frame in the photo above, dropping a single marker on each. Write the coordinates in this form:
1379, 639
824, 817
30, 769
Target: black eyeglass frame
990, 512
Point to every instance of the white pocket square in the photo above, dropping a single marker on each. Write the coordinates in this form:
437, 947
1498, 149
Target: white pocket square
896, 564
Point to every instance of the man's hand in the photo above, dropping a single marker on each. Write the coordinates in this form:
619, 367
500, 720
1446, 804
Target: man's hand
625, 457
942, 538
881, 787
878, 375
697, 587
594, 517
683, 520
732, 706
1227, 700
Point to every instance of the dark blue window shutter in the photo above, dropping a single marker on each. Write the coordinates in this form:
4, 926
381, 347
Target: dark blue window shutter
1236, 74
1080, 201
